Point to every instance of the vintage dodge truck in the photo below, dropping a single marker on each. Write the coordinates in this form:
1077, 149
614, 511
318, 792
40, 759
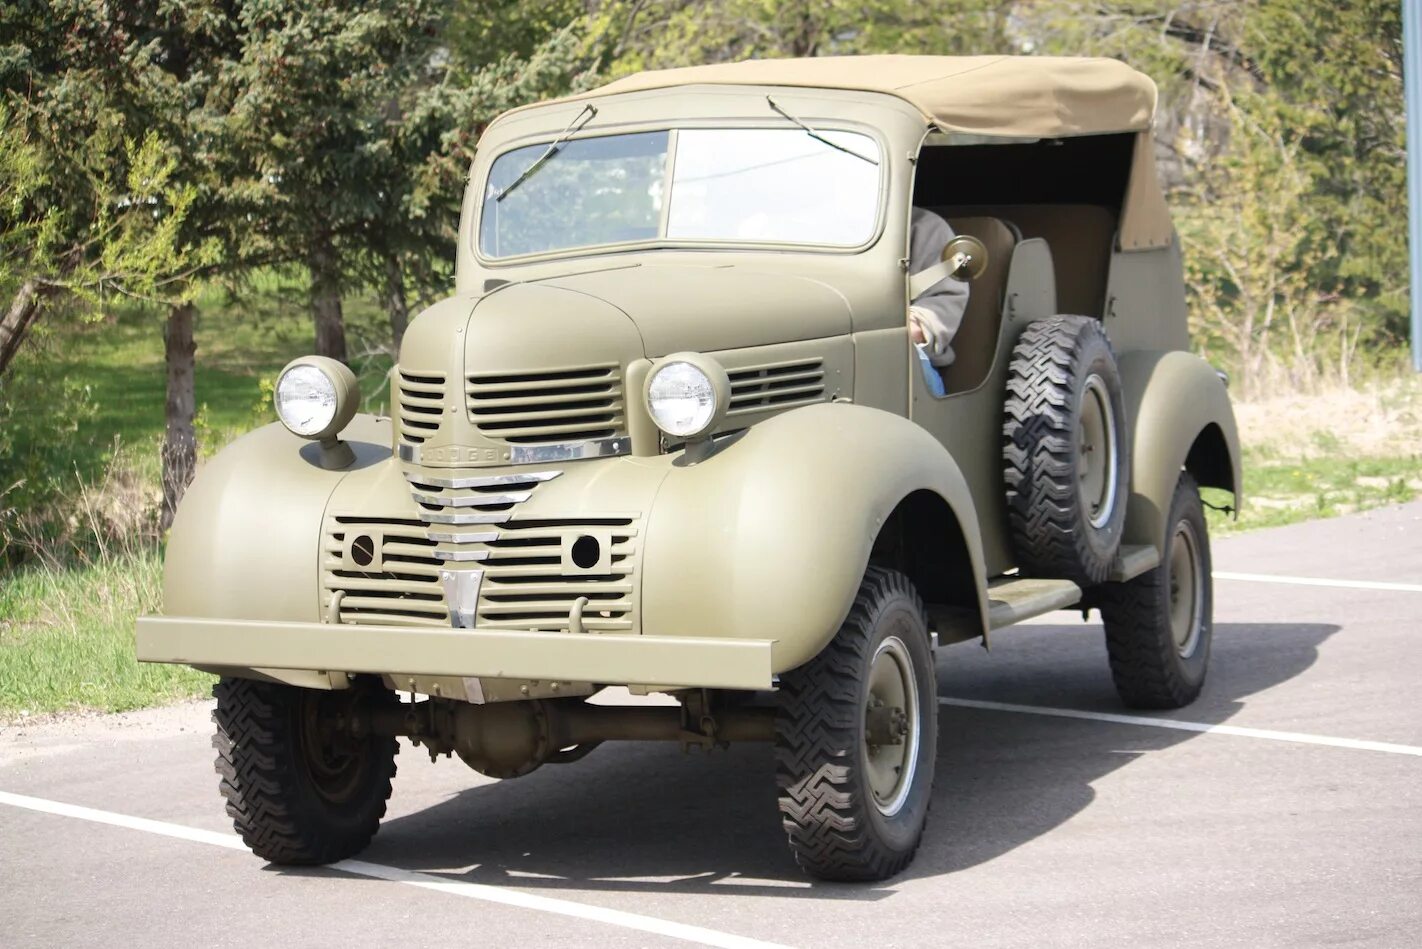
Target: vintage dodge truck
670, 433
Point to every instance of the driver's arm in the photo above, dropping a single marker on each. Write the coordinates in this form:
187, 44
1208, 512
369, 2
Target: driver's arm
935, 314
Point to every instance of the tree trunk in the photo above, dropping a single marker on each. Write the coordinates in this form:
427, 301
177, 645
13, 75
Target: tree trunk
17, 319
326, 299
395, 303
179, 437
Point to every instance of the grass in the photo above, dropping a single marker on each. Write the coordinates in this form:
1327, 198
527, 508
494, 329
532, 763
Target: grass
1326, 454
66, 639
66, 626
66, 623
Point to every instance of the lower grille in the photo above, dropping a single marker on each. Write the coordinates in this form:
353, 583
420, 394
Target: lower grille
525, 586
384, 570
530, 575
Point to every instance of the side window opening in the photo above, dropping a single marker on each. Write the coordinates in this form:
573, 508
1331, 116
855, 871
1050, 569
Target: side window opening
1067, 191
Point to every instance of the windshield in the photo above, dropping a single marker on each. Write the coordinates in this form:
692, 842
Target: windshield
738, 185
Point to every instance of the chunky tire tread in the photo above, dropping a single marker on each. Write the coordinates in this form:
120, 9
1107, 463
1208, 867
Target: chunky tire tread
1051, 535
268, 797
1145, 666
823, 803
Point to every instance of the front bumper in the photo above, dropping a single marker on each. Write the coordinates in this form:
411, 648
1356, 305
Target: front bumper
605, 658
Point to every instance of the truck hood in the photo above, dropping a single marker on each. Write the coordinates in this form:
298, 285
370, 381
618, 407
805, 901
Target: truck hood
677, 307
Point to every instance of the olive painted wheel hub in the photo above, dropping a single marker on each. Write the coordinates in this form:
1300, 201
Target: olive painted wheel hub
1096, 457
891, 726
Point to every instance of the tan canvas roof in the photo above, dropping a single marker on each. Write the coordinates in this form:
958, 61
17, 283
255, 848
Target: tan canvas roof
1038, 96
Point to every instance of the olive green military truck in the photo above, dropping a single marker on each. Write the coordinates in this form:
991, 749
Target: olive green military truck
670, 434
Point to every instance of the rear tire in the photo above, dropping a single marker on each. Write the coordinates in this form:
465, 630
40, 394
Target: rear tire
1066, 461
1159, 625
298, 792
855, 778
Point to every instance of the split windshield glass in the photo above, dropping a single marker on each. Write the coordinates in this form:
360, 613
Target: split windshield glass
723, 185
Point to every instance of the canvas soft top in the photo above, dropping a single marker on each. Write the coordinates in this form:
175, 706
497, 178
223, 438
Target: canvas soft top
1021, 96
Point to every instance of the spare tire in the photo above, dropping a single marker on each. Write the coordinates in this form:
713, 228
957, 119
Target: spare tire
1066, 460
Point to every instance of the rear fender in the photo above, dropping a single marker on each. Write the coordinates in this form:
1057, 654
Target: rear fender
769, 537
1181, 419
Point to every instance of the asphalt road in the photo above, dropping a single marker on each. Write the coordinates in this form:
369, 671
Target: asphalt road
1297, 822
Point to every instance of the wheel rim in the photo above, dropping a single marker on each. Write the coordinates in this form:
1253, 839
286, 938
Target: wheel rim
892, 685
1186, 589
1096, 453
335, 766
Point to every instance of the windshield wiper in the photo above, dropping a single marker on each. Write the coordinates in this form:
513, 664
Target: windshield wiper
552, 149
817, 136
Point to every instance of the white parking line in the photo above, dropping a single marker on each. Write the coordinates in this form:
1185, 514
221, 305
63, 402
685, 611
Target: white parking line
1296, 737
426, 881
1320, 582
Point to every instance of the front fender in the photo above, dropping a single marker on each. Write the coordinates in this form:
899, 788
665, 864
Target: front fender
769, 537
245, 543
1172, 399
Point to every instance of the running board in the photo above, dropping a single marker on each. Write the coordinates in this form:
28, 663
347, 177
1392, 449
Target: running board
1132, 560
1013, 599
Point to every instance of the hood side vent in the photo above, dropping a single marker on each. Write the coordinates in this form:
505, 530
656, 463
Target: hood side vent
421, 400
782, 385
548, 407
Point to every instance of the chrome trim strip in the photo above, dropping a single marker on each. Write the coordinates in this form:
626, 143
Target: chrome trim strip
472, 500
541, 454
569, 451
488, 481
431, 518
461, 593
441, 537
461, 556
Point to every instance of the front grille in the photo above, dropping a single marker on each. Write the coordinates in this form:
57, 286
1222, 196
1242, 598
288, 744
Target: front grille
527, 582
525, 587
758, 388
385, 571
546, 407
420, 397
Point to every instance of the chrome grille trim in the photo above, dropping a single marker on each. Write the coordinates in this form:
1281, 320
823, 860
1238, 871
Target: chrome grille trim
460, 556
444, 537
477, 500
569, 451
541, 454
487, 481
431, 517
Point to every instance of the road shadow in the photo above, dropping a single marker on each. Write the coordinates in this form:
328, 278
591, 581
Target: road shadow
652, 819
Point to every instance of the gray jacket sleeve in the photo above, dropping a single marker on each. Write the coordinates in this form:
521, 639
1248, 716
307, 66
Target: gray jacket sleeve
941, 306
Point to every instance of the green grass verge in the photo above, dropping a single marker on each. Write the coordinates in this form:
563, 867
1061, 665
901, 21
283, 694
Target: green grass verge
66, 639
1280, 491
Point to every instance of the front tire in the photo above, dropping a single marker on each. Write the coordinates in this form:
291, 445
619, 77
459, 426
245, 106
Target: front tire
856, 737
298, 790
1159, 625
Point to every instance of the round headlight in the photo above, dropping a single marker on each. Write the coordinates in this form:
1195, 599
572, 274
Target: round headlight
315, 397
687, 394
